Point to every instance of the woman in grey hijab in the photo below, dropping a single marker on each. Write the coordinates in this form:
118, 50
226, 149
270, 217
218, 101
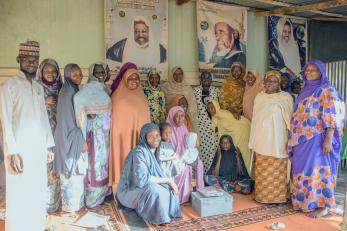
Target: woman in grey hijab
70, 146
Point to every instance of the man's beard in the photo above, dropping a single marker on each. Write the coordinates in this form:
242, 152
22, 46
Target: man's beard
28, 74
285, 39
144, 45
223, 52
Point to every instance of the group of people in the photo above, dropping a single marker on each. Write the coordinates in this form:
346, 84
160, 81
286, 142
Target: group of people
151, 144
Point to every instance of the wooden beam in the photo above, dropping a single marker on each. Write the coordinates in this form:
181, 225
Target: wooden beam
330, 19
304, 8
329, 14
180, 2
275, 3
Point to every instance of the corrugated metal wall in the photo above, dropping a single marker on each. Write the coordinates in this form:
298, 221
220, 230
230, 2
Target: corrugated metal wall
337, 74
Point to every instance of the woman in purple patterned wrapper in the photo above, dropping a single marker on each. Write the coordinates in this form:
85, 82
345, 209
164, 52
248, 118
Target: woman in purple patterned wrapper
315, 142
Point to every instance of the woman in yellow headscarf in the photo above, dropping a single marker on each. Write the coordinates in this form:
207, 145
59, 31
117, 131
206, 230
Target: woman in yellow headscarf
233, 89
224, 123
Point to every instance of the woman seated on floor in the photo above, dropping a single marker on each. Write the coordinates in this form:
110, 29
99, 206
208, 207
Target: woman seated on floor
143, 186
228, 169
224, 122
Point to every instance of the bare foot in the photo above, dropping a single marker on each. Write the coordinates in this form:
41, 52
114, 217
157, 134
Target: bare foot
163, 226
237, 188
317, 213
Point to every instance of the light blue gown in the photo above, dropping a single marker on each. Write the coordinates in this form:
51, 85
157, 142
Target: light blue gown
153, 202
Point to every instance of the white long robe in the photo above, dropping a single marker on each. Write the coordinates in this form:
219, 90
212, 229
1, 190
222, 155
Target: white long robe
26, 132
270, 124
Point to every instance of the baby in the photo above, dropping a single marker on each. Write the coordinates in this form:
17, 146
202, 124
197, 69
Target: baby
191, 157
191, 152
165, 154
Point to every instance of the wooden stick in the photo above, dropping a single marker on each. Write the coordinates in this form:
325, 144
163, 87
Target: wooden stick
330, 19
329, 14
304, 8
344, 220
275, 3
180, 2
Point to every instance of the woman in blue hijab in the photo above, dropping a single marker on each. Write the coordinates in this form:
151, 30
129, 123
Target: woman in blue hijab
143, 186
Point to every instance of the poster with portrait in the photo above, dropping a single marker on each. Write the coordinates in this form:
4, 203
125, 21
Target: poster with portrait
287, 45
137, 31
222, 37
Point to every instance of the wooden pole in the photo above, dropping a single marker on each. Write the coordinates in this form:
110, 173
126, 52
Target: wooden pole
344, 220
180, 2
275, 3
304, 8
330, 19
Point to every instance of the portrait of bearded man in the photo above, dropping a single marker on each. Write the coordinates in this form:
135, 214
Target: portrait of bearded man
139, 45
228, 47
287, 54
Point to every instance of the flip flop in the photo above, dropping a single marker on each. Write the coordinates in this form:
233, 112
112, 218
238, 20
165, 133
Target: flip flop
276, 226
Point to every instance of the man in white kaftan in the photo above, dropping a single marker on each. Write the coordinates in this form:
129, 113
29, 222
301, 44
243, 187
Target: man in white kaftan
26, 136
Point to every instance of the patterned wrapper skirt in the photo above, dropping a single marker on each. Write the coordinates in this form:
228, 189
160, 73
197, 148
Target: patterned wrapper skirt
270, 179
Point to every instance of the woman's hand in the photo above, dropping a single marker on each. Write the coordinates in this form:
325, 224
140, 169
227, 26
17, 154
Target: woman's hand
85, 148
16, 163
328, 141
91, 116
236, 114
327, 145
50, 100
173, 186
50, 156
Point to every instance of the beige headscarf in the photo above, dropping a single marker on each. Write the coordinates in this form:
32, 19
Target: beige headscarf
250, 93
171, 88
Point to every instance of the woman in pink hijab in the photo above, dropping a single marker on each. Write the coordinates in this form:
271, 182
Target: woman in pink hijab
176, 119
179, 130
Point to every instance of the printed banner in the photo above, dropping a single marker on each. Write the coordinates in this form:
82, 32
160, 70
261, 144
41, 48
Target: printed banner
137, 31
287, 45
222, 37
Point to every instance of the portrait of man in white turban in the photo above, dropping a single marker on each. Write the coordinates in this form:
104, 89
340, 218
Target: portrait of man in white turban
139, 45
285, 50
228, 48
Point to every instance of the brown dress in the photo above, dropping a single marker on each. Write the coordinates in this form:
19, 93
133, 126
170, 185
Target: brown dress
130, 112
